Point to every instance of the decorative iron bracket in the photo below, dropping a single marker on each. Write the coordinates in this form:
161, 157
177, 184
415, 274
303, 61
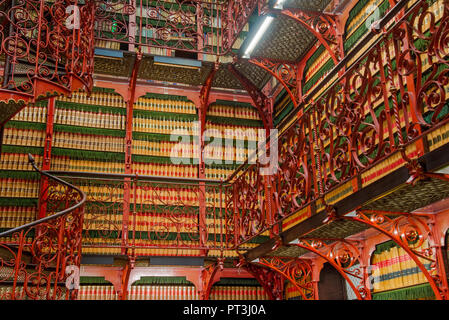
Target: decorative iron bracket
285, 73
297, 271
271, 281
344, 256
261, 101
408, 230
322, 25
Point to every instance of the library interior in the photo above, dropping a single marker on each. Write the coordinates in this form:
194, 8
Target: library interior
224, 150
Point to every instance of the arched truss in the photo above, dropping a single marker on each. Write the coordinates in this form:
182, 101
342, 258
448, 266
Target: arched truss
285, 73
262, 103
297, 271
204, 97
322, 25
271, 281
409, 231
343, 255
207, 276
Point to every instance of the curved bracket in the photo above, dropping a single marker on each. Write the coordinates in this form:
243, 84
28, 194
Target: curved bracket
285, 73
261, 101
323, 26
207, 277
297, 271
272, 282
409, 231
343, 256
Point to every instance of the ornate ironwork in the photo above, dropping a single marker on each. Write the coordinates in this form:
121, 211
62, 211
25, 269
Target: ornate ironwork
162, 215
285, 73
261, 102
410, 231
270, 280
297, 271
322, 25
345, 257
209, 27
47, 48
35, 258
371, 112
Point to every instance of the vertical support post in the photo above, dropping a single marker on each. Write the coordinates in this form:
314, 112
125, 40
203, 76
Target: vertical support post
46, 164
316, 270
202, 185
128, 152
436, 238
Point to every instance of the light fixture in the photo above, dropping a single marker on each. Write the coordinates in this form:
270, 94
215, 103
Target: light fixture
257, 260
296, 241
265, 24
279, 4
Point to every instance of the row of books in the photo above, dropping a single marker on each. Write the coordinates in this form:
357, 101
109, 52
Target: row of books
105, 246
24, 137
165, 105
19, 188
166, 170
362, 16
162, 125
237, 293
239, 112
322, 59
164, 149
229, 131
31, 114
438, 137
217, 173
171, 292
395, 269
80, 118
155, 51
11, 217
64, 163
71, 140
153, 292
175, 150
114, 45
105, 99
157, 222
18, 161
156, 195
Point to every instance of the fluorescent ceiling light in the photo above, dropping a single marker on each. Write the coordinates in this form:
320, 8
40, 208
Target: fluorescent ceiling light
266, 23
278, 4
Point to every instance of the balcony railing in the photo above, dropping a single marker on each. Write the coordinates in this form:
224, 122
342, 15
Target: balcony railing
392, 96
46, 46
35, 258
143, 215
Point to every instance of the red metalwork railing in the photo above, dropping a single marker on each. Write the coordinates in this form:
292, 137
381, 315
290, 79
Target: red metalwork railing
47, 48
392, 96
201, 26
164, 214
34, 257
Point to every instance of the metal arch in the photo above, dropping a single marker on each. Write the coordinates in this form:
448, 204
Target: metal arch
342, 255
321, 25
407, 228
295, 270
260, 100
204, 96
271, 281
285, 73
